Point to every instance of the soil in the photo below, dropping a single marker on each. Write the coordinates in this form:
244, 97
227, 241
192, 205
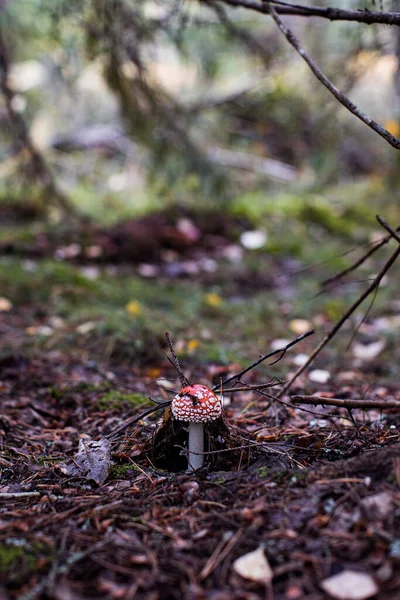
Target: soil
316, 489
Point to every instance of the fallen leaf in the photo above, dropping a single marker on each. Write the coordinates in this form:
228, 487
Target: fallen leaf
368, 351
254, 566
92, 461
192, 345
84, 328
5, 305
350, 585
279, 343
213, 300
319, 376
253, 240
300, 359
300, 326
393, 127
148, 270
377, 507
134, 308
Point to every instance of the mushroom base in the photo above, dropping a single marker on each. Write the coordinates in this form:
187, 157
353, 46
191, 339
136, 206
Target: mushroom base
169, 448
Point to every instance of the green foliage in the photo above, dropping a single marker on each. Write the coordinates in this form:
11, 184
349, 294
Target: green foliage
114, 399
19, 558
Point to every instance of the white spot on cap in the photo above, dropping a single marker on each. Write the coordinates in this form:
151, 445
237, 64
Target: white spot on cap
196, 404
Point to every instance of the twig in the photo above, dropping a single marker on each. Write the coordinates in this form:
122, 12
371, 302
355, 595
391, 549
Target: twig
220, 553
281, 351
345, 403
359, 262
249, 388
307, 410
388, 228
17, 495
346, 102
185, 382
333, 14
349, 312
136, 419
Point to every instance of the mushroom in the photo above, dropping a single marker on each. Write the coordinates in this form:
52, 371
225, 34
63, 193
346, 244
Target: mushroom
196, 404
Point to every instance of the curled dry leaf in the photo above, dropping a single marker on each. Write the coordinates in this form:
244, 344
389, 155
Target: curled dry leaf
368, 351
254, 566
350, 585
92, 461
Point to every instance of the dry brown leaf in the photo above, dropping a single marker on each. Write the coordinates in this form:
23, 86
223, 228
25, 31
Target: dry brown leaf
254, 566
350, 585
5, 305
92, 461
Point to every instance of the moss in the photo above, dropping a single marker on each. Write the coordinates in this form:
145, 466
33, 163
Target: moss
263, 472
219, 481
20, 558
119, 471
10, 556
115, 399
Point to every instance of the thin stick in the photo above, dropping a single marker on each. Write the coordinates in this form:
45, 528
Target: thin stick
349, 312
388, 228
136, 419
307, 410
359, 262
345, 403
262, 358
17, 495
346, 102
249, 388
185, 382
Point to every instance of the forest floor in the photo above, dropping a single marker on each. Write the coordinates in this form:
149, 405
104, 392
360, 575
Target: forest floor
317, 489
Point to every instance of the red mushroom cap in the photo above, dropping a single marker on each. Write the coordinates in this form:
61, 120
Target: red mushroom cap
196, 404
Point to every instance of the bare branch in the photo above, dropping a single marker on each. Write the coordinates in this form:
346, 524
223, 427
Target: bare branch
346, 102
349, 312
185, 382
281, 351
359, 262
332, 14
133, 420
346, 403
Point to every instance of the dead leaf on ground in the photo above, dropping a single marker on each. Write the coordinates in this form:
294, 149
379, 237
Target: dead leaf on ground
254, 566
92, 461
350, 585
368, 351
5, 305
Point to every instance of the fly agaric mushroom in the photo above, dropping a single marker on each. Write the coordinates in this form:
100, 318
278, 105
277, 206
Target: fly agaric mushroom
196, 404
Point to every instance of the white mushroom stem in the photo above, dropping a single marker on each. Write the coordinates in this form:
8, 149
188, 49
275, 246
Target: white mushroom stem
196, 444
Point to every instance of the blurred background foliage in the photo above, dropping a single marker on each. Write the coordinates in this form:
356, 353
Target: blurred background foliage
137, 104
115, 109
